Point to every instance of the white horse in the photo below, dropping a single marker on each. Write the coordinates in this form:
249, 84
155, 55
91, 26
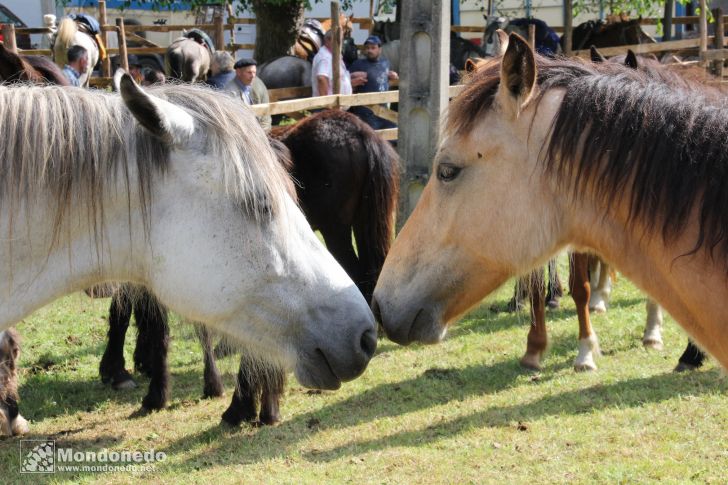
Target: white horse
178, 190
68, 35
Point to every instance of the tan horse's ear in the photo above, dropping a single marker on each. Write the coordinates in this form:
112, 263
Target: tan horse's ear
518, 76
470, 65
502, 42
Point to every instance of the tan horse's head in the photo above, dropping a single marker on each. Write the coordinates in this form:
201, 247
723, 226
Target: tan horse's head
467, 234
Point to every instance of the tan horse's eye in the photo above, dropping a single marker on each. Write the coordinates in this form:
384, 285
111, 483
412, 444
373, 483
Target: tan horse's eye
447, 172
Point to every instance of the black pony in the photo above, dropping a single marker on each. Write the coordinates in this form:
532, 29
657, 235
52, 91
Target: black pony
347, 181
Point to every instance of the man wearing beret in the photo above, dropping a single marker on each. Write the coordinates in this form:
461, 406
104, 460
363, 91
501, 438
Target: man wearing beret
249, 87
377, 77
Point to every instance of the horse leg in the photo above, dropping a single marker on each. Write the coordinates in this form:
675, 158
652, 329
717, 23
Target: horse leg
537, 335
153, 316
244, 404
600, 295
520, 293
652, 338
691, 359
554, 289
274, 383
112, 364
580, 292
213, 383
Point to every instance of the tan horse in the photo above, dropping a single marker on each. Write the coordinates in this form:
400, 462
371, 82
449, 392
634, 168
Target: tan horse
529, 165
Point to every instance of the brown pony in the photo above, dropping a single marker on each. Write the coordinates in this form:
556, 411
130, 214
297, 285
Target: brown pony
647, 192
15, 68
11, 422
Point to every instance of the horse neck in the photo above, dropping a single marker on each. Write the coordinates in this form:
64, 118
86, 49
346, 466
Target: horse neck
691, 288
38, 268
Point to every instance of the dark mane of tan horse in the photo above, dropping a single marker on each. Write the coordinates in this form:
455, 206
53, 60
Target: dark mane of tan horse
650, 130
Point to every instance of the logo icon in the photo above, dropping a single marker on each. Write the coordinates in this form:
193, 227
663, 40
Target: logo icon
37, 456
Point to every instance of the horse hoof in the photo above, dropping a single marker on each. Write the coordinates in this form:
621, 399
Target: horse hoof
209, 392
599, 307
553, 304
154, 403
20, 426
585, 366
684, 367
514, 306
531, 361
234, 417
652, 344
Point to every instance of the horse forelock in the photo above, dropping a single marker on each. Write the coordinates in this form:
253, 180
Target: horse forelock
619, 132
71, 144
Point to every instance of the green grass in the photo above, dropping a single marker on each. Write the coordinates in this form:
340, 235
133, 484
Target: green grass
459, 412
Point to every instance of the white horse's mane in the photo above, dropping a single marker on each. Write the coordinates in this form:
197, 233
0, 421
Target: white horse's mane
65, 142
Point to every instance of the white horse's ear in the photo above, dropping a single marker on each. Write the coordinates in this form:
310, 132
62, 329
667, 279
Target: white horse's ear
518, 76
501, 39
164, 120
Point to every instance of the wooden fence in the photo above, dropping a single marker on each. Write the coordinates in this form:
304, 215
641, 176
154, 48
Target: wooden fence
280, 104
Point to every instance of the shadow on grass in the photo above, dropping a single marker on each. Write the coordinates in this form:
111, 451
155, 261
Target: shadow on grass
434, 387
45, 395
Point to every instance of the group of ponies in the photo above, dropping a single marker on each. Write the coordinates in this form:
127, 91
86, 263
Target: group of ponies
224, 243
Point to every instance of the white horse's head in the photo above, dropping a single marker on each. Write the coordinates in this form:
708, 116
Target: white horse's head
233, 250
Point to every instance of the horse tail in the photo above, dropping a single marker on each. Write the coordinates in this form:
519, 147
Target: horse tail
173, 64
190, 71
374, 222
64, 39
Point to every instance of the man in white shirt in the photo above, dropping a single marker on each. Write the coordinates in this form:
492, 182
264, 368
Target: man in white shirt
322, 71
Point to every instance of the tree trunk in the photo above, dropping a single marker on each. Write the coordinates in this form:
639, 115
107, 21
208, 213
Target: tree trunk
276, 28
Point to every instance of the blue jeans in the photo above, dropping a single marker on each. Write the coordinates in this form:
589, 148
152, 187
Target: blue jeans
368, 117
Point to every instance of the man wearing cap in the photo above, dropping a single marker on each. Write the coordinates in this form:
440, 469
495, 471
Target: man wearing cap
377, 77
249, 87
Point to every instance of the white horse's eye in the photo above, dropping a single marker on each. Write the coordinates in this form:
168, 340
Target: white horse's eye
447, 171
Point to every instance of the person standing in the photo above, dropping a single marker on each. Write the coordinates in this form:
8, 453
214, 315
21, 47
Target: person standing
249, 87
377, 77
323, 68
77, 64
222, 69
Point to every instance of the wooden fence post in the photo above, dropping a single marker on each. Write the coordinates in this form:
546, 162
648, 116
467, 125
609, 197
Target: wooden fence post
424, 55
106, 63
568, 27
719, 40
123, 60
532, 35
9, 38
219, 32
335, 49
703, 31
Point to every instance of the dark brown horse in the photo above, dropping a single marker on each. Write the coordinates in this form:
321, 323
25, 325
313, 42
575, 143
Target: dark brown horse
15, 68
347, 182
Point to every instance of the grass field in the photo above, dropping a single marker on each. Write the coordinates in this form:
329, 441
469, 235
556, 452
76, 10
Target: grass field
460, 412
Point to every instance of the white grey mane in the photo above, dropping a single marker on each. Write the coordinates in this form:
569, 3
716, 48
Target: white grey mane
64, 142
